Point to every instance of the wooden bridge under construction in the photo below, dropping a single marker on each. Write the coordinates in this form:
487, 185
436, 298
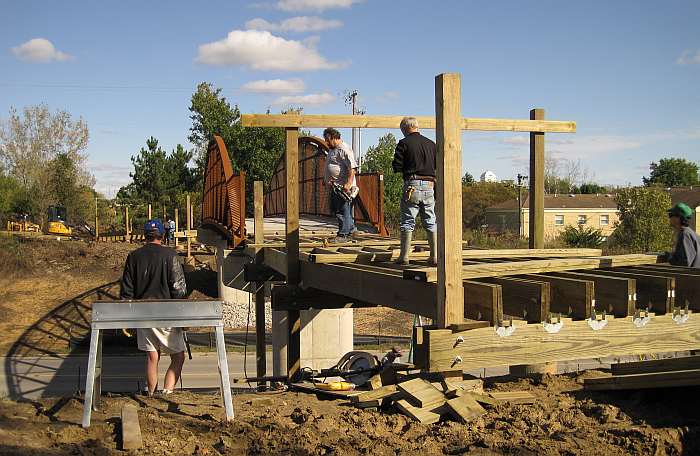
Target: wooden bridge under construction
487, 307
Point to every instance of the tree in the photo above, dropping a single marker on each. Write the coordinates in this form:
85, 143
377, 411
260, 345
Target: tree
643, 225
672, 172
467, 179
31, 141
582, 237
378, 160
480, 195
159, 177
9, 192
253, 150
591, 188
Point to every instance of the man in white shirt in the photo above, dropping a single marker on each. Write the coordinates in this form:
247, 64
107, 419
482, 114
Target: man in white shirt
340, 176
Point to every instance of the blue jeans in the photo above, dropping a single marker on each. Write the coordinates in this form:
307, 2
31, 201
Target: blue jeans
343, 211
422, 202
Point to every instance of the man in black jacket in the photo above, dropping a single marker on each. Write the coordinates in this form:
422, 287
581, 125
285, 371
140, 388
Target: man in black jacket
154, 272
415, 159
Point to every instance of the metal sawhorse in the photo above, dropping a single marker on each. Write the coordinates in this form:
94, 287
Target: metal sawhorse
152, 314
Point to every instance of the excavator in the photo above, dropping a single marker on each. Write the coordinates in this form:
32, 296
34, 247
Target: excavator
56, 224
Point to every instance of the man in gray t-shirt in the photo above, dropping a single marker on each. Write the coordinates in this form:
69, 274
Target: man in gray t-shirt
340, 176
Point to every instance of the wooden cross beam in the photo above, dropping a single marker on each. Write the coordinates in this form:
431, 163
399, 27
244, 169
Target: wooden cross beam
425, 122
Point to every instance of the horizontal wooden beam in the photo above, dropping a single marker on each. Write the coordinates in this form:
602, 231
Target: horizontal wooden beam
474, 271
386, 122
656, 365
644, 381
390, 255
532, 344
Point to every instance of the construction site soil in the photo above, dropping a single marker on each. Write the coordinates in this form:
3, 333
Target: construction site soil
563, 421
39, 277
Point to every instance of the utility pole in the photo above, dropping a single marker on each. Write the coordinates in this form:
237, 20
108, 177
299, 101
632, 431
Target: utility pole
521, 180
351, 100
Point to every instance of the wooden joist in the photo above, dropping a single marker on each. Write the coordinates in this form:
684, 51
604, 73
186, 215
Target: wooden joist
465, 408
473, 271
428, 415
571, 297
389, 122
654, 292
522, 298
687, 283
326, 256
644, 381
532, 344
614, 295
656, 365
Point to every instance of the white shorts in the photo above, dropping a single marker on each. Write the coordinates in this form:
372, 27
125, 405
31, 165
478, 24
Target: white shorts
165, 340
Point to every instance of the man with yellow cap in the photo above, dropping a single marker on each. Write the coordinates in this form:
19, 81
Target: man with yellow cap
687, 249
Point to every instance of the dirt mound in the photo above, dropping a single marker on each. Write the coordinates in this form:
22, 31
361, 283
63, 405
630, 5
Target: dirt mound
564, 421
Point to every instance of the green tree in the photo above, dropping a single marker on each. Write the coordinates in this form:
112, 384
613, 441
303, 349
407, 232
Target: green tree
467, 179
9, 192
643, 225
591, 188
582, 237
378, 160
672, 172
251, 149
29, 144
480, 195
158, 177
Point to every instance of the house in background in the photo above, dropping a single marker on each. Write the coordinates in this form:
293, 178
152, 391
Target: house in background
560, 211
690, 196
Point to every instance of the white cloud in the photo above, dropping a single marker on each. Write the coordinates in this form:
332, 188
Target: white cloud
40, 50
312, 99
689, 57
315, 5
516, 140
298, 24
275, 86
261, 50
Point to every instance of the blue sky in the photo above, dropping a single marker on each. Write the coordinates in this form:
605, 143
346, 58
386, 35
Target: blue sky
628, 72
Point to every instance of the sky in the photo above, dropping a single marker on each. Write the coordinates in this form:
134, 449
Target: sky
628, 72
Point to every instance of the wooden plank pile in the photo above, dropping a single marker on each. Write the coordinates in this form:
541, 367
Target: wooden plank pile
662, 373
428, 402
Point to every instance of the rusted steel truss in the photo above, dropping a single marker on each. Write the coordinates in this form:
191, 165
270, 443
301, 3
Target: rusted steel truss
223, 201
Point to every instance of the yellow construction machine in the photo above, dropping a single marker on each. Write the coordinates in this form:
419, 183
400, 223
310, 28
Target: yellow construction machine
57, 222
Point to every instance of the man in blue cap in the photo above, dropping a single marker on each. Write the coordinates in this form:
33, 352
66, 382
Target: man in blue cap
154, 272
687, 249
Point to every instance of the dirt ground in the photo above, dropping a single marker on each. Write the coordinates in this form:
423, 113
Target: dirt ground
564, 421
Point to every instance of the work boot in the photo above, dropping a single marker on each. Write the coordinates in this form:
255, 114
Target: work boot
432, 241
405, 247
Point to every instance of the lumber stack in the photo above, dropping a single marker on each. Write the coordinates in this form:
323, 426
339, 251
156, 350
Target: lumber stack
428, 402
663, 373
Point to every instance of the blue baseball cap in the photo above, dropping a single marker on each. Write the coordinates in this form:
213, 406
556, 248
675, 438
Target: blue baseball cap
154, 225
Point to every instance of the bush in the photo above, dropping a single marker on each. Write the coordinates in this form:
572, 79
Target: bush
581, 237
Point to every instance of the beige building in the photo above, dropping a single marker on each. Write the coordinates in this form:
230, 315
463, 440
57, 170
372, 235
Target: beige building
560, 211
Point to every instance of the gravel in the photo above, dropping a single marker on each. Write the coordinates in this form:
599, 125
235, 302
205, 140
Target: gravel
236, 314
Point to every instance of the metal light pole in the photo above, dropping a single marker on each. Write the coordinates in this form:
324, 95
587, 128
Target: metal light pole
521, 181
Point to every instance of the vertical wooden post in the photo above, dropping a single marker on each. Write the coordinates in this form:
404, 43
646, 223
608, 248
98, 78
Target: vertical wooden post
164, 212
189, 227
536, 198
126, 221
176, 226
259, 233
450, 299
292, 242
150, 215
97, 222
